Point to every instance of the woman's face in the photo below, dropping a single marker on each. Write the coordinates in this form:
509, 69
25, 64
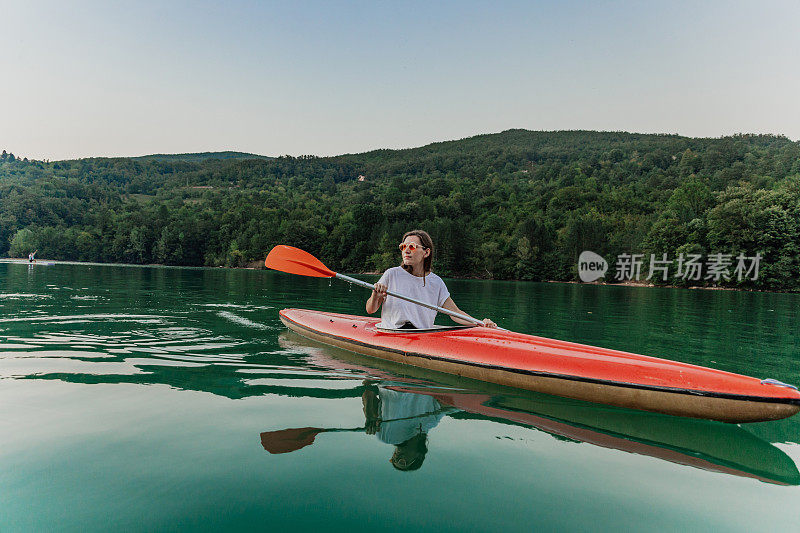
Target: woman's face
417, 255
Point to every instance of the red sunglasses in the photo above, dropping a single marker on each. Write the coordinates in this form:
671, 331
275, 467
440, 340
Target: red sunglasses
411, 246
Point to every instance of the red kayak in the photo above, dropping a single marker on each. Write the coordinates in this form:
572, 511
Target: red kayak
558, 367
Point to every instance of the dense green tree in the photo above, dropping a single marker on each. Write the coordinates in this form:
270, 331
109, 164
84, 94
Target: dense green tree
23, 243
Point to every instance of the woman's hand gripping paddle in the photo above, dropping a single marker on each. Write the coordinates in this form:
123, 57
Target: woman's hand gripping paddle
296, 261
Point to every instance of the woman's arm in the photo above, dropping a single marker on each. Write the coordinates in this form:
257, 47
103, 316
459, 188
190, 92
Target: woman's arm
451, 305
372, 407
377, 298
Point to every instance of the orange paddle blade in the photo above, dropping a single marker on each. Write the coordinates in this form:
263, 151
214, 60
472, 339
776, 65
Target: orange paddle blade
296, 261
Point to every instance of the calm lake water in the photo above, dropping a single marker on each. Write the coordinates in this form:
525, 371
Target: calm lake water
167, 399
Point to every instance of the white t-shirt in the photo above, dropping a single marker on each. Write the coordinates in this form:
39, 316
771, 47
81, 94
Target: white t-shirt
396, 312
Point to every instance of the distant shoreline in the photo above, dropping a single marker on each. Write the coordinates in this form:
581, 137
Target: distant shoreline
258, 265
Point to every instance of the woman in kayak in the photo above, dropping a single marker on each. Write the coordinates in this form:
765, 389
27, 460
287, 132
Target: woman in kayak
413, 279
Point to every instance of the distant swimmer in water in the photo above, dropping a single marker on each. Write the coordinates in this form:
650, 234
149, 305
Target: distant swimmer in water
32, 257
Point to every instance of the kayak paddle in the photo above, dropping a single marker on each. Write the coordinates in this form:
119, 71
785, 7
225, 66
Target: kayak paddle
296, 261
289, 440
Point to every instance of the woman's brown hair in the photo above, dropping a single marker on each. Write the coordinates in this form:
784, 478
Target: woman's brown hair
427, 242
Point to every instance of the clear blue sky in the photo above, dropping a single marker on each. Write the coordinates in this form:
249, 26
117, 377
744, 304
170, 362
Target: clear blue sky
131, 78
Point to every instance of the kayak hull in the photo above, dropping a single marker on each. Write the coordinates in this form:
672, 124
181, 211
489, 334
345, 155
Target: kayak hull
490, 356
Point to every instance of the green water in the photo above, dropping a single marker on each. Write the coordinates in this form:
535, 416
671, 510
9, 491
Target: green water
151, 399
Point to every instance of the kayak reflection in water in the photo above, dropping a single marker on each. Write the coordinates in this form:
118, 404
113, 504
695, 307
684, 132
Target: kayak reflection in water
402, 419
413, 278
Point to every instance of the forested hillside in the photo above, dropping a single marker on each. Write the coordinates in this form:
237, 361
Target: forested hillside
200, 156
513, 205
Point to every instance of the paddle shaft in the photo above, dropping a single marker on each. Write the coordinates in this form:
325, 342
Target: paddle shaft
412, 300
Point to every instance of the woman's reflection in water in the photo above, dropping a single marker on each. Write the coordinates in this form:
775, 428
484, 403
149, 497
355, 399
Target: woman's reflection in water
402, 419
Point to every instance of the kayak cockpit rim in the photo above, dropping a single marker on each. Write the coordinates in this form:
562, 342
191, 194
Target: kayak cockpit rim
435, 327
